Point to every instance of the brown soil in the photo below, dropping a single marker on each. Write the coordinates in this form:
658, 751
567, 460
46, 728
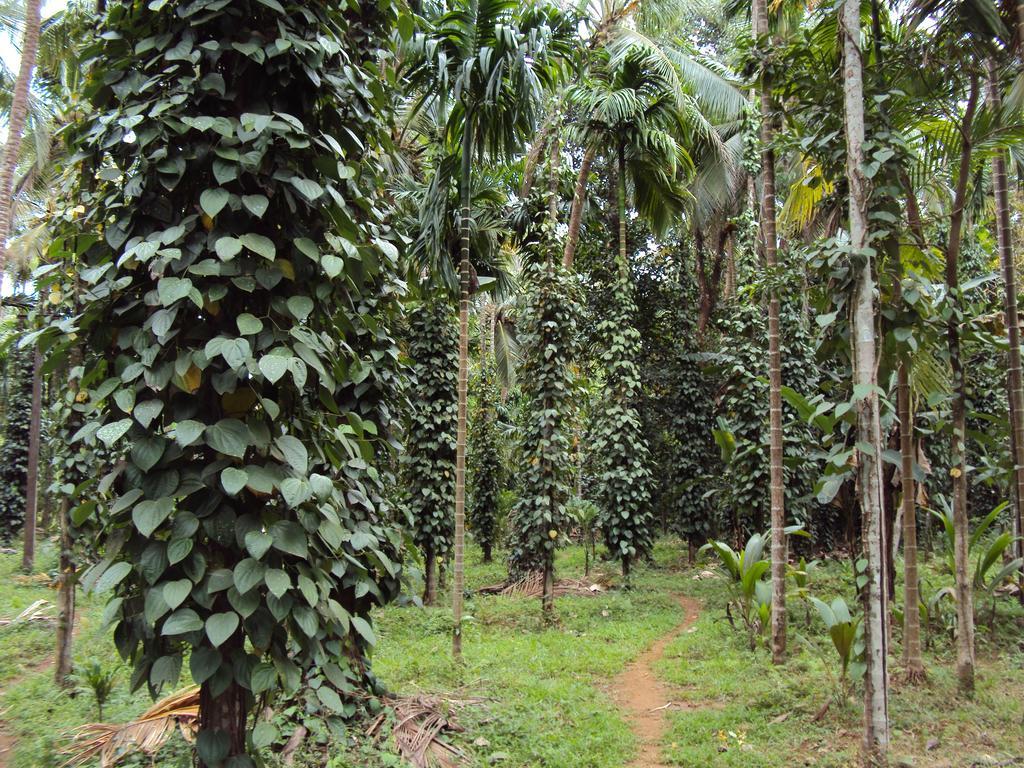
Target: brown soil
645, 698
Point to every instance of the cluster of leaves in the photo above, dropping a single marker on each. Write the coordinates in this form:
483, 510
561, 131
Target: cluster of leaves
14, 449
237, 283
617, 434
548, 339
486, 469
428, 465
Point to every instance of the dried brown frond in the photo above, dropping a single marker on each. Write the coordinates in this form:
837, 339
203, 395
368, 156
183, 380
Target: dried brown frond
147, 734
39, 611
420, 723
532, 585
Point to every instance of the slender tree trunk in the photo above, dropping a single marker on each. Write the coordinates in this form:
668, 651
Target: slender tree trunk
1015, 388
16, 123
458, 577
554, 167
775, 438
533, 157
961, 534
226, 713
28, 559
579, 202
66, 579
911, 598
876, 684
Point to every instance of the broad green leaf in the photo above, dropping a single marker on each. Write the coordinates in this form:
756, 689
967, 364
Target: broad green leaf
256, 204
289, 537
175, 592
228, 436
220, 627
212, 201
172, 289
277, 581
111, 577
300, 307
248, 324
187, 432
273, 367
111, 433
260, 245
148, 515
233, 480
227, 248
294, 452
362, 626
181, 621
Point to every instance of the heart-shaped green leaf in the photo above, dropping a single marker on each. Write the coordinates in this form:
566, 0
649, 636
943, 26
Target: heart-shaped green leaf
175, 592
233, 480
212, 201
220, 627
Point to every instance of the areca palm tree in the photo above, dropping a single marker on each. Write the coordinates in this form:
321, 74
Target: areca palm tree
16, 121
493, 61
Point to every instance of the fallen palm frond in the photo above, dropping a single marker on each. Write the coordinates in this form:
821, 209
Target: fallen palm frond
532, 585
420, 723
37, 612
146, 735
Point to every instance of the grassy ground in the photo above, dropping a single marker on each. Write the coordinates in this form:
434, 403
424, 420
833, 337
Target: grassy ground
542, 690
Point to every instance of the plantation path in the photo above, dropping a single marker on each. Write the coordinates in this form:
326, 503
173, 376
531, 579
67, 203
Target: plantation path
645, 698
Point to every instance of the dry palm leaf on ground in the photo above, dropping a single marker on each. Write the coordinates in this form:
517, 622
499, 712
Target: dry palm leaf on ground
420, 722
532, 585
111, 743
39, 611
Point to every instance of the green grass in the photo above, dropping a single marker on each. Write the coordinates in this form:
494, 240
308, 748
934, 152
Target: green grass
540, 693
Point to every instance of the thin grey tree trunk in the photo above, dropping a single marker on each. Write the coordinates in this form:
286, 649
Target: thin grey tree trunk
579, 201
769, 237
865, 376
958, 461
28, 559
18, 116
458, 577
1015, 388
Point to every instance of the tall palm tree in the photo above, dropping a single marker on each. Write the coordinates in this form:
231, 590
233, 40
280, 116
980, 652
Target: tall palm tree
1015, 385
869, 430
769, 240
494, 60
703, 93
16, 121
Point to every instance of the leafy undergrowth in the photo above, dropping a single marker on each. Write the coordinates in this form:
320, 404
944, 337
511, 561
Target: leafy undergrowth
540, 692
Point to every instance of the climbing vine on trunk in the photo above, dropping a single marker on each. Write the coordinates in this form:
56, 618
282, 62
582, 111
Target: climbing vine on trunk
428, 466
617, 435
485, 464
548, 339
238, 283
14, 450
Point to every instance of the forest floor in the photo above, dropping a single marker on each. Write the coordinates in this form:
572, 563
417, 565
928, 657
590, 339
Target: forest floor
651, 677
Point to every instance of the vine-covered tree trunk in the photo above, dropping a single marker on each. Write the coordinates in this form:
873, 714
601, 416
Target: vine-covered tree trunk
865, 381
17, 117
428, 464
246, 448
777, 480
1015, 381
28, 558
958, 459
